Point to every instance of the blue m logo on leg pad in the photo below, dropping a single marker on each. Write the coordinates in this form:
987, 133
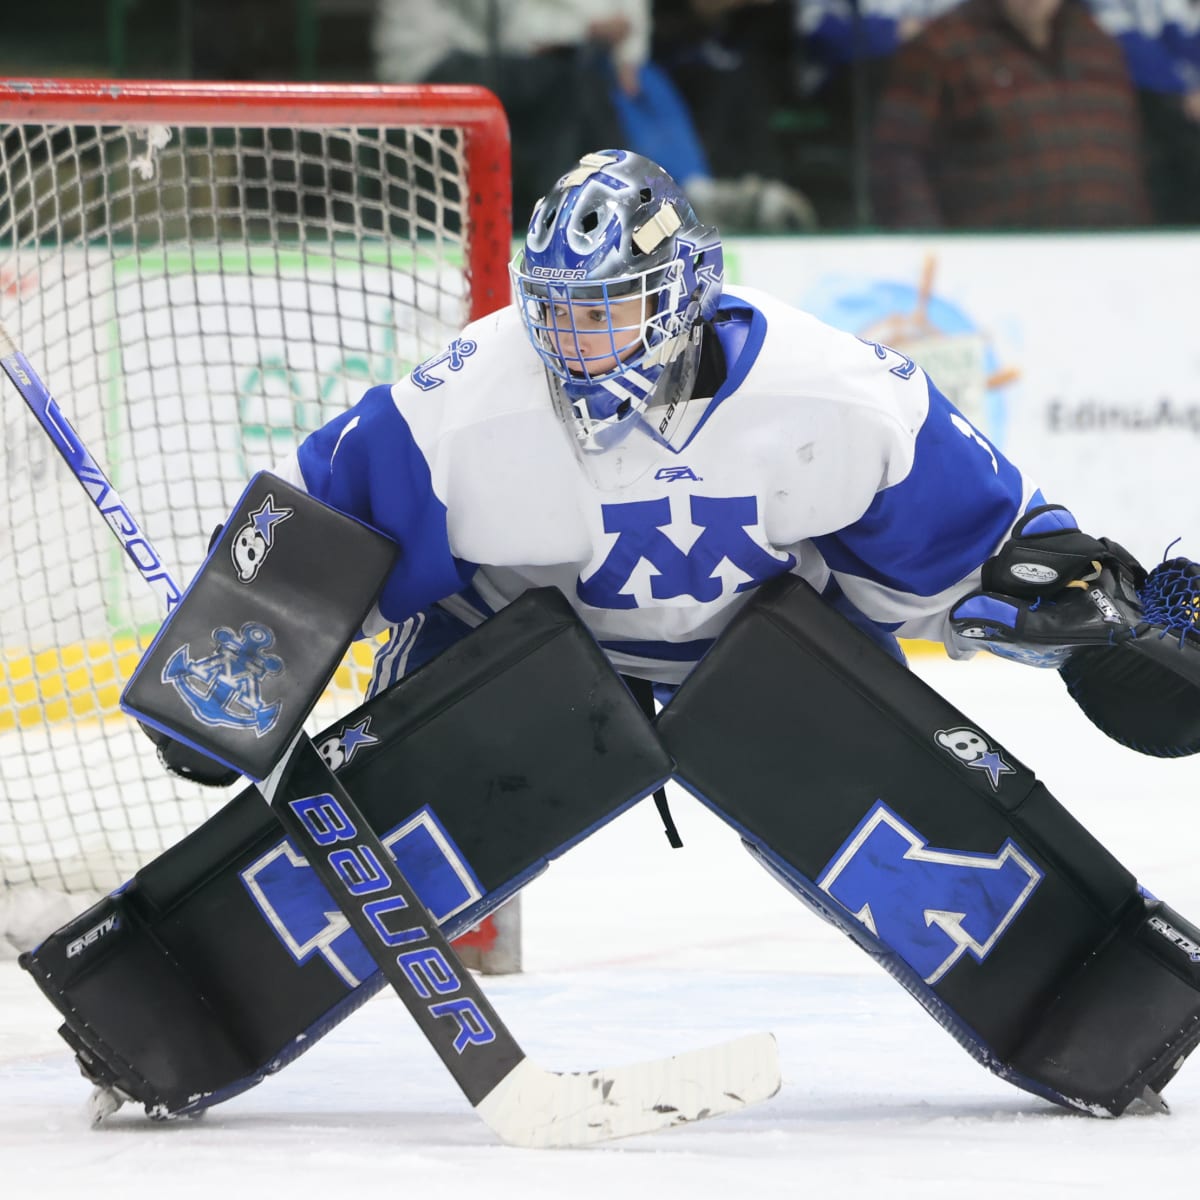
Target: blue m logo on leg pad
929, 905
307, 920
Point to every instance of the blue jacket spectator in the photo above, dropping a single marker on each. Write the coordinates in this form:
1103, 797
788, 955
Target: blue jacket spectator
838, 32
1160, 38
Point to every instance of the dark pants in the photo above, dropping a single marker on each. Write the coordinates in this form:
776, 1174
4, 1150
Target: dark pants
1172, 144
558, 109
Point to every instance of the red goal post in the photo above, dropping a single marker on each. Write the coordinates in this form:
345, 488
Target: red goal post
473, 110
203, 273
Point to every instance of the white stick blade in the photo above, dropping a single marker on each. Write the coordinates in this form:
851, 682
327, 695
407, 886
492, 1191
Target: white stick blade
537, 1108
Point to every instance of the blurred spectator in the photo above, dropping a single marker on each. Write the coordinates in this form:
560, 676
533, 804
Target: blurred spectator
838, 33
573, 76
728, 60
551, 63
1161, 41
1009, 114
843, 49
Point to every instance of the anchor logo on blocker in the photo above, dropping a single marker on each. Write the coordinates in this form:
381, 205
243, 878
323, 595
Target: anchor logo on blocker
224, 688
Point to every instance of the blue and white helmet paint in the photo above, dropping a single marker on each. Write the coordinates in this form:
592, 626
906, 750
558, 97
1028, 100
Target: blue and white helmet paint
616, 228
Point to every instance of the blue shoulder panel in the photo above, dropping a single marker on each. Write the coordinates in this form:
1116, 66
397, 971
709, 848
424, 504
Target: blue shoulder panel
741, 332
366, 463
927, 532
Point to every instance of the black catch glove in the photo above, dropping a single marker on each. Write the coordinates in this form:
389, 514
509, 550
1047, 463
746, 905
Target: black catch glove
1143, 690
1126, 643
1049, 590
1046, 553
189, 764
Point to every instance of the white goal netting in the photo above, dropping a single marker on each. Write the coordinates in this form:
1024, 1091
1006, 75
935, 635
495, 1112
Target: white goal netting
201, 277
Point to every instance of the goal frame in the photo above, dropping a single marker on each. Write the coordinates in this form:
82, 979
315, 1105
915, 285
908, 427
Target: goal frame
475, 110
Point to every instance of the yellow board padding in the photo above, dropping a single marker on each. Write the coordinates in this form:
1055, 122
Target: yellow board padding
85, 680
70, 683
918, 648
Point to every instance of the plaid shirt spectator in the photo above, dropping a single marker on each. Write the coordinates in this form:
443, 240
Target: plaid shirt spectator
977, 128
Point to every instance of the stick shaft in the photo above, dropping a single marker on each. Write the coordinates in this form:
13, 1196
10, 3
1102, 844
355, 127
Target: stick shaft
99, 488
399, 932
317, 813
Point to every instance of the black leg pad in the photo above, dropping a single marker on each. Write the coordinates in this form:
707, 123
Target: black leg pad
224, 958
908, 826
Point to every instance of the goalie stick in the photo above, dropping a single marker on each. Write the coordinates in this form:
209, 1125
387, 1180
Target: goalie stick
522, 1103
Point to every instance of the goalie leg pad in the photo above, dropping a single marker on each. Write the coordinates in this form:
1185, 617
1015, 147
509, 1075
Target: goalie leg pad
224, 958
928, 842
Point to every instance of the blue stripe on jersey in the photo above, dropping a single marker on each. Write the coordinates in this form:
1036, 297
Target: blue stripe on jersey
935, 527
366, 463
741, 335
477, 602
663, 651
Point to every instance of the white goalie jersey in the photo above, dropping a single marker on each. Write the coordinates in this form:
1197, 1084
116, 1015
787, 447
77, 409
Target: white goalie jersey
821, 455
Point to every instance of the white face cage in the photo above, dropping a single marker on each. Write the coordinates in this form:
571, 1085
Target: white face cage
571, 322
605, 342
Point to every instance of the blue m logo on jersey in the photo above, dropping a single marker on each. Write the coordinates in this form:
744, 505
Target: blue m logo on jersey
930, 906
224, 688
643, 552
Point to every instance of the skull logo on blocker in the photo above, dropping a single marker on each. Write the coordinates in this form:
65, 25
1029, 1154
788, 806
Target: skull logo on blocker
254, 540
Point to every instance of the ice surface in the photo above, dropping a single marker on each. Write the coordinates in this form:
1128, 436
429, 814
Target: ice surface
635, 950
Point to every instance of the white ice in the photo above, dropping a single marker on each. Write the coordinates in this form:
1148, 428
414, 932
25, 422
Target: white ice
634, 950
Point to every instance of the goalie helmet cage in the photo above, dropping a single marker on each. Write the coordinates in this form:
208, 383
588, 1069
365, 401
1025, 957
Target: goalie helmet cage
203, 273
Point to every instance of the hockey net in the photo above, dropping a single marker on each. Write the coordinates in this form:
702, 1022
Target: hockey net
202, 273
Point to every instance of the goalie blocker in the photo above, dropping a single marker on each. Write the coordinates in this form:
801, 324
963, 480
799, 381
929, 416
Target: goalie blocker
924, 839
370, 917
225, 958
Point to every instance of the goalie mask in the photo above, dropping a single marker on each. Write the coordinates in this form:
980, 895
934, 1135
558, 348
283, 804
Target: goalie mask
614, 279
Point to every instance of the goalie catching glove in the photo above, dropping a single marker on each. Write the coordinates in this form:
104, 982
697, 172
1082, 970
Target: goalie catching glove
1126, 642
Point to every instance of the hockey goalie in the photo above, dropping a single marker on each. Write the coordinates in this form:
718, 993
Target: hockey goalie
633, 479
